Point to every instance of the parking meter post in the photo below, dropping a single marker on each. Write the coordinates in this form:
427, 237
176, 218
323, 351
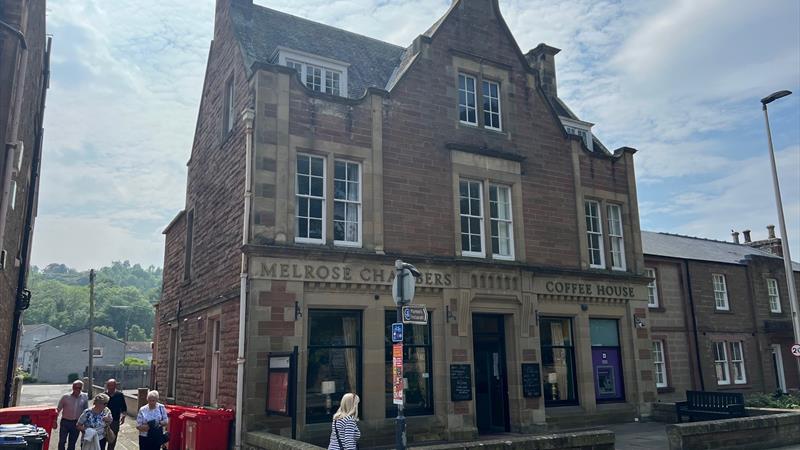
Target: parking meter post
400, 421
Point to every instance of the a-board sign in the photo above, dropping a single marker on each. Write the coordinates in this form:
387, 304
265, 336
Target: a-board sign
531, 380
460, 382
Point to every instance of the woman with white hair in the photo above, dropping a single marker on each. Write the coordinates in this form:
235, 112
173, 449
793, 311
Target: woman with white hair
150, 422
344, 430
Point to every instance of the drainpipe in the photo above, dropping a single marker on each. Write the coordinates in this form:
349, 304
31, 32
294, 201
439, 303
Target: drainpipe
694, 324
248, 115
10, 149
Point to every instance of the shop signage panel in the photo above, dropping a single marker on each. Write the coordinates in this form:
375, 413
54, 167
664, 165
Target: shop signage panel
460, 382
578, 287
531, 380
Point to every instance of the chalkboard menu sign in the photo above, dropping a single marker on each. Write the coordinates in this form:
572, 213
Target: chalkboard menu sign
460, 382
531, 380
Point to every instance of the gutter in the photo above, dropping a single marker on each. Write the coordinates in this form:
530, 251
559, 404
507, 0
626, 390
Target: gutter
694, 323
248, 116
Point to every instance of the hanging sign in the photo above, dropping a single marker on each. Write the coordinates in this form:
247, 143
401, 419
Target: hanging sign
796, 350
397, 373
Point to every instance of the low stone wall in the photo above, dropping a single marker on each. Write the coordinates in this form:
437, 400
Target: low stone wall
763, 431
585, 440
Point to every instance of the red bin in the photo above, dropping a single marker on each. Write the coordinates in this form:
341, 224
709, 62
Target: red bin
43, 416
207, 429
176, 424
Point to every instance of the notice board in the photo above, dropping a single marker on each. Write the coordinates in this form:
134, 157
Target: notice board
531, 380
460, 382
280, 376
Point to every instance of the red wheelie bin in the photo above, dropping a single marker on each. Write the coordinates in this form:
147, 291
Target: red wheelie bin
207, 429
43, 416
176, 424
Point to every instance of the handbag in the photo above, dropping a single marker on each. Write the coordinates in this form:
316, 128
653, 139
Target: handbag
111, 436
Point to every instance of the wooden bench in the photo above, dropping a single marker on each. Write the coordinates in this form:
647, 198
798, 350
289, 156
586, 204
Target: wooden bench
702, 405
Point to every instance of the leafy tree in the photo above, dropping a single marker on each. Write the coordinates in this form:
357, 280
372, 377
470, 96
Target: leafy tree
108, 331
136, 334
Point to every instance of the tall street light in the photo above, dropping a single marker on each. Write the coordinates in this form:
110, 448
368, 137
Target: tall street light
787, 259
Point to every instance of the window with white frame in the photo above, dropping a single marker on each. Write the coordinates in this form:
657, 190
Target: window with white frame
660, 363
467, 101
721, 363
317, 77
774, 297
97, 352
471, 211
652, 288
720, 292
501, 222
310, 199
229, 100
594, 234
346, 203
491, 105
615, 238
737, 361
579, 128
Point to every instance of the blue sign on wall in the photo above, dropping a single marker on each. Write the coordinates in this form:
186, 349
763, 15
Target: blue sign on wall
397, 332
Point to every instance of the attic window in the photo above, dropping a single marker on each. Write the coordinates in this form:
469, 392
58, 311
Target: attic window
316, 72
578, 128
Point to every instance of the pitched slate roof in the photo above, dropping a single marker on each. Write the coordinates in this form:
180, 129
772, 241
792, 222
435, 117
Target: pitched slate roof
261, 31
700, 249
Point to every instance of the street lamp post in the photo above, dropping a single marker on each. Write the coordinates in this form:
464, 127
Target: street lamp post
787, 259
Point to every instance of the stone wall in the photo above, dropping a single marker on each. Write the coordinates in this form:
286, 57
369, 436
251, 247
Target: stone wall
745, 433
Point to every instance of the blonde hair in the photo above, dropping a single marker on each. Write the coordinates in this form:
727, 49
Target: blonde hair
348, 407
101, 398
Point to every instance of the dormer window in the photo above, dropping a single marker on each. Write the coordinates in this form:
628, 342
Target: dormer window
579, 128
316, 72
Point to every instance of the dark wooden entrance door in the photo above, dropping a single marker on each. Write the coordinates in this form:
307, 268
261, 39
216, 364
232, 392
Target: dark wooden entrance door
491, 386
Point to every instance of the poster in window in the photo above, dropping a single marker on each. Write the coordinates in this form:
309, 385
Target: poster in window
277, 401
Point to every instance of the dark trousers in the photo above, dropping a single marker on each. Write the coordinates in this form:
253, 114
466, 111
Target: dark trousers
148, 443
68, 434
114, 426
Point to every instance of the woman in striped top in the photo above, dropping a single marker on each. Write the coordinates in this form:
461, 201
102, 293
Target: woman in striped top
344, 430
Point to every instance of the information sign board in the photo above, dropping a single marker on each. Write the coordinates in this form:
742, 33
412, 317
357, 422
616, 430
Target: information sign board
397, 373
415, 314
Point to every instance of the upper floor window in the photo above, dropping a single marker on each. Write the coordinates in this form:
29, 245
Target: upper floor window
660, 364
228, 116
467, 110
316, 72
774, 297
615, 237
652, 288
501, 223
346, 203
491, 105
471, 211
310, 199
594, 234
720, 292
579, 128
187, 254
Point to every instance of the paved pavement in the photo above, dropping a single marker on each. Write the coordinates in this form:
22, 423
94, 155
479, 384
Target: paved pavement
49, 394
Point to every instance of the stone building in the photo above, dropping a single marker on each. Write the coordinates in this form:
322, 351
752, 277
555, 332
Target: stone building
24, 68
719, 317
322, 156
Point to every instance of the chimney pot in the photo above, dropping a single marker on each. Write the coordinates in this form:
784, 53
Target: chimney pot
771, 231
735, 235
746, 234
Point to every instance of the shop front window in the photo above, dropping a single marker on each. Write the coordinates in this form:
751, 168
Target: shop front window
417, 365
558, 362
334, 361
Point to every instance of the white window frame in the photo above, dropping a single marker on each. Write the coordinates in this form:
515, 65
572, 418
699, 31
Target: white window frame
616, 241
598, 220
230, 100
509, 221
579, 128
738, 361
97, 352
482, 252
291, 58
216, 338
466, 92
660, 363
721, 302
652, 288
721, 362
774, 295
486, 85
357, 203
308, 240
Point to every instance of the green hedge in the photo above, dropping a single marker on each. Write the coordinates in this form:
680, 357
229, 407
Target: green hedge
777, 400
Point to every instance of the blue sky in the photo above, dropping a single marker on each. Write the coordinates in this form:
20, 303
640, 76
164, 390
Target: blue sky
678, 80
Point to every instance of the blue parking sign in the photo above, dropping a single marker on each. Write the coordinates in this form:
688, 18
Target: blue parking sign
397, 332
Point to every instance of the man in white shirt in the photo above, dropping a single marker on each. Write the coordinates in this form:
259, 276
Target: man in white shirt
71, 406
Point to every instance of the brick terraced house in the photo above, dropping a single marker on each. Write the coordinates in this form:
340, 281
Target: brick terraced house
322, 156
719, 316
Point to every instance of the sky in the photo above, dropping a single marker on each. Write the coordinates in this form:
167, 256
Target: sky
678, 80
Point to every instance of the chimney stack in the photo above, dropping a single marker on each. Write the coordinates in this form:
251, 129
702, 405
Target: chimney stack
735, 235
746, 234
771, 231
542, 58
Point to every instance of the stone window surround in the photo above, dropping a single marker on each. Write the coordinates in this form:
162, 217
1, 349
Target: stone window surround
728, 339
481, 70
332, 152
284, 53
604, 198
489, 170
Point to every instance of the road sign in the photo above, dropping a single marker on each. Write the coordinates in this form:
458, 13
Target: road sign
409, 284
397, 332
796, 350
397, 373
415, 314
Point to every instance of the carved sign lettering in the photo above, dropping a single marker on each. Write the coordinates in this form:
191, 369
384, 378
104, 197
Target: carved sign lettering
275, 269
